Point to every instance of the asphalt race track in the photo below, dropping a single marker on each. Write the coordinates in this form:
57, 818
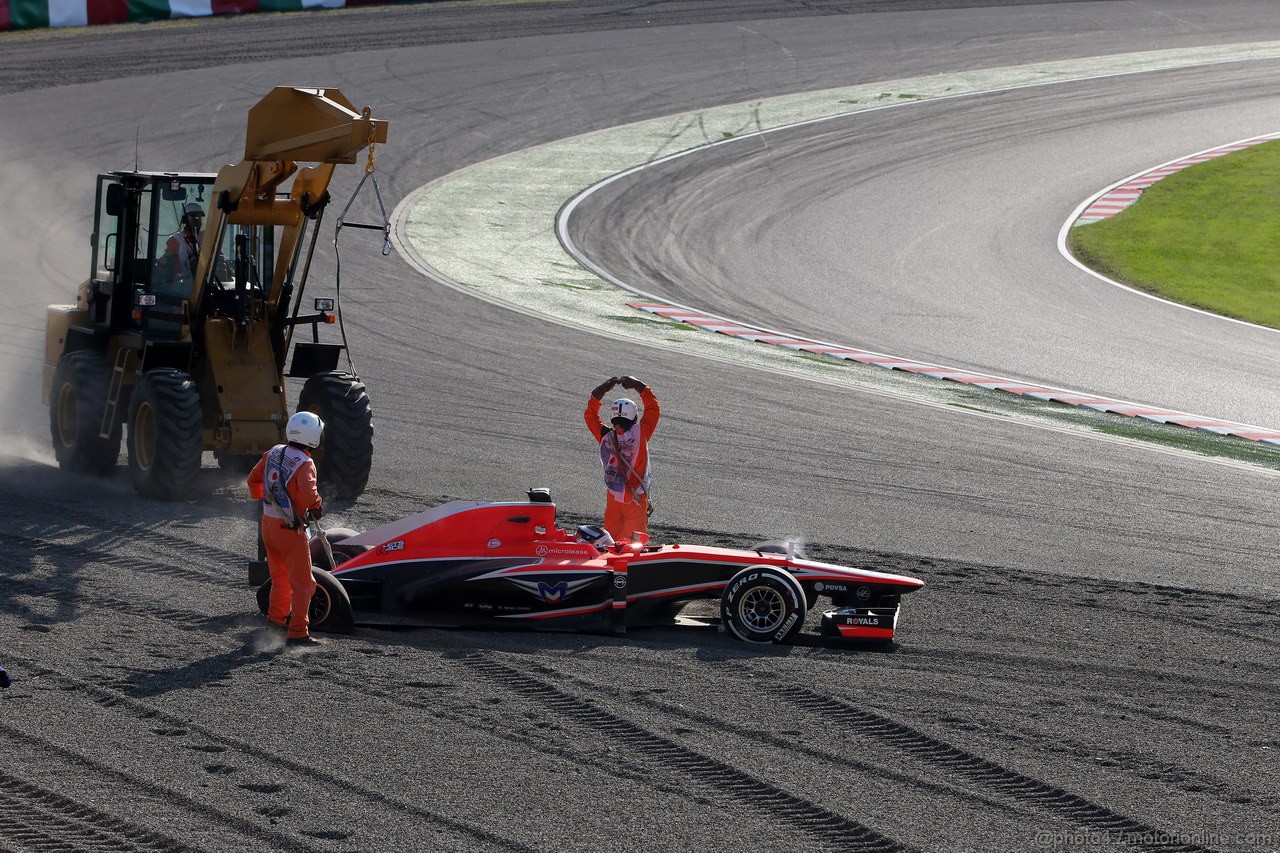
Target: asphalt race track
1092, 665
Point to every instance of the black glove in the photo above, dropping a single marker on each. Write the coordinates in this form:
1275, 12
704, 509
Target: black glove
603, 387
632, 383
316, 513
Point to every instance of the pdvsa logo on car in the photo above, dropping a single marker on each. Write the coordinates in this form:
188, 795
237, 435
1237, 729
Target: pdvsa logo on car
829, 587
390, 547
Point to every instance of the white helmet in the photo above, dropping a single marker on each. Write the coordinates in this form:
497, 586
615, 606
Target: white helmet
304, 428
595, 535
624, 408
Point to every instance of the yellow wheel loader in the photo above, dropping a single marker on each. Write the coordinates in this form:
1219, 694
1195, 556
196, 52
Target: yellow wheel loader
178, 339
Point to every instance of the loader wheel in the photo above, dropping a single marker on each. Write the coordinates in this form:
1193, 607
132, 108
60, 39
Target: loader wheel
166, 435
345, 454
77, 399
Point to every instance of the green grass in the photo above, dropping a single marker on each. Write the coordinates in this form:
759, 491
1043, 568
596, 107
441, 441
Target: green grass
1195, 441
1207, 236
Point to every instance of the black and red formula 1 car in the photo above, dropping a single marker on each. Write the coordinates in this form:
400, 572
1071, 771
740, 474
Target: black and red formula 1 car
469, 564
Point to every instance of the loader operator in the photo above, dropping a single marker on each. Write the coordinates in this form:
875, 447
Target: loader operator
182, 249
624, 453
285, 481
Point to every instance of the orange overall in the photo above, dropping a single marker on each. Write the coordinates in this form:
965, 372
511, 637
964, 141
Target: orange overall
290, 469
626, 506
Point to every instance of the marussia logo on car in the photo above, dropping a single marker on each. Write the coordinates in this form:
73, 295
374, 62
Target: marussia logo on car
551, 593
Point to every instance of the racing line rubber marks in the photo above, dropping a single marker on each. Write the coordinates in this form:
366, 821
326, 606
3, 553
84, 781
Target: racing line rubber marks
1107, 204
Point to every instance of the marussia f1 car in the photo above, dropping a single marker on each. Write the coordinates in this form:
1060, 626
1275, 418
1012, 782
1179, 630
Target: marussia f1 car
471, 564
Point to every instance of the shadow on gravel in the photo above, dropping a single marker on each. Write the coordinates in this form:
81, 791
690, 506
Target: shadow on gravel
196, 675
705, 641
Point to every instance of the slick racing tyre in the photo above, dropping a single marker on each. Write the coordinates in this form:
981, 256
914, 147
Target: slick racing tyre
763, 604
330, 611
166, 435
345, 454
81, 384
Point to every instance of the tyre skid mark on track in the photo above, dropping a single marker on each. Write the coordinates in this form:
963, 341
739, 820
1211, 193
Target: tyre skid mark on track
1050, 798
116, 700
220, 818
123, 561
127, 532
1141, 767
763, 737
926, 656
1159, 608
632, 772
44, 820
828, 827
63, 596
1187, 779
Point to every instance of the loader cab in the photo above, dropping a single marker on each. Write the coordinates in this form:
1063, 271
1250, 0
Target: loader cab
142, 265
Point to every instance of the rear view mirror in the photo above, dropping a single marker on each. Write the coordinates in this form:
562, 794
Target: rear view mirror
115, 199
173, 191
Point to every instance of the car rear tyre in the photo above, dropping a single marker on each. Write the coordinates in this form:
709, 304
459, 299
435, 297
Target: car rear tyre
330, 611
763, 604
341, 553
166, 435
81, 384
345, 455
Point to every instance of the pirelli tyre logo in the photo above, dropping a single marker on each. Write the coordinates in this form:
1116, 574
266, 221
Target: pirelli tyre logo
786, 626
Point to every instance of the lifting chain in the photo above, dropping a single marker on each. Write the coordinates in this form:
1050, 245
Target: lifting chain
373, 143
385, 227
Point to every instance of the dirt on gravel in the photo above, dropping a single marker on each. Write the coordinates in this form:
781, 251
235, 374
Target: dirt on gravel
150, 711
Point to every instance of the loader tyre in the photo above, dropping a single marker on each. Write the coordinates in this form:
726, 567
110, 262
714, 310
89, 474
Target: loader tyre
166, 435
345, 454
81, 383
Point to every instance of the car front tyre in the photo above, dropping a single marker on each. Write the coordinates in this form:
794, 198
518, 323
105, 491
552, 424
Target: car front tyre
763, 604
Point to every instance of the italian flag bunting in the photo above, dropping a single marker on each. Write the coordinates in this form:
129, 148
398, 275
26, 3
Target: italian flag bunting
35, 14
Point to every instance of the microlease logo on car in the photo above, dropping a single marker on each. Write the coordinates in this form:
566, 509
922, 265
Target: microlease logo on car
544, 550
